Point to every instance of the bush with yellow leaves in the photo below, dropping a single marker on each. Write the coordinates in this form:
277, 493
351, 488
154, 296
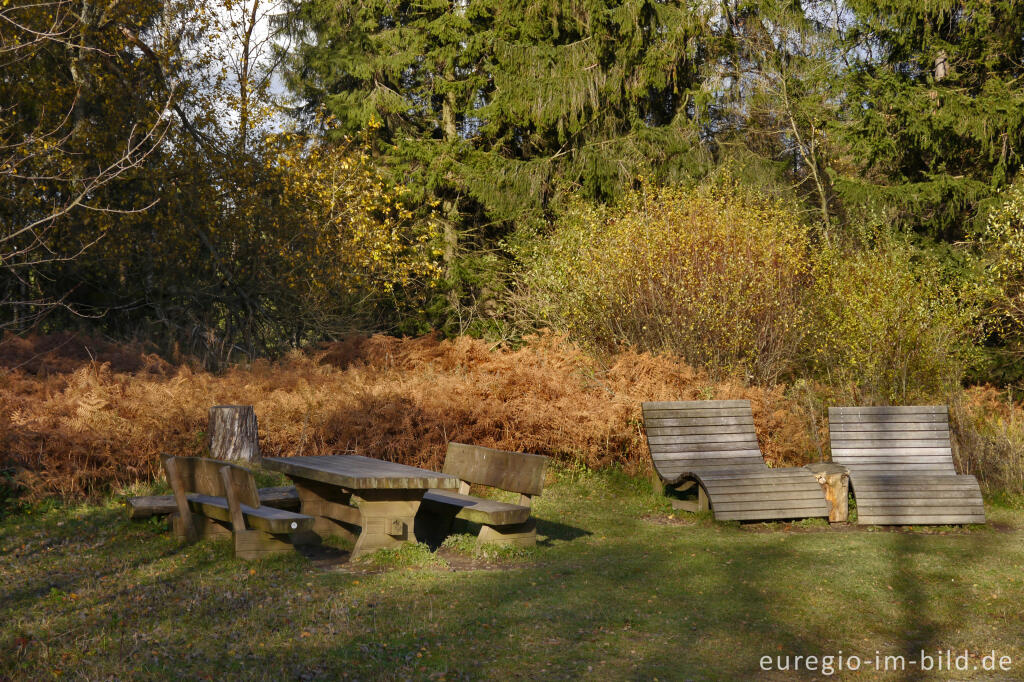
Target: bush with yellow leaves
717, 274
888, 323
1002, 243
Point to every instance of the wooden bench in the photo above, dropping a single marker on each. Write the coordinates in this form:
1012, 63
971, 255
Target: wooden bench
214, 498
143, 507
713, 444
900, 462
504, 523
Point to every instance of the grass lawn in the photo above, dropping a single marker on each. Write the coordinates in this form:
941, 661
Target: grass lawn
618, 588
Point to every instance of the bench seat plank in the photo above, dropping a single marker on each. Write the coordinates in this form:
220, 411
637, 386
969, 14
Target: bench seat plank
266, 519
478, 509
282, 497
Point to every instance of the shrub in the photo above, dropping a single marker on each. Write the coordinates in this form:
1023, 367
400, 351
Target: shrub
1001, 242
716, 274
888, 323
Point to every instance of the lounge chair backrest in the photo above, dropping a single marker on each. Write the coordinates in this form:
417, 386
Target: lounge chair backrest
702, 435
892, 440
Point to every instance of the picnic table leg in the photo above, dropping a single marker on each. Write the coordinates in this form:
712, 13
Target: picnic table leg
332, 509
387, 518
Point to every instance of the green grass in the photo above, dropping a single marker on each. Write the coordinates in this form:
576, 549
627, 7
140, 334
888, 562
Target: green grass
618, 588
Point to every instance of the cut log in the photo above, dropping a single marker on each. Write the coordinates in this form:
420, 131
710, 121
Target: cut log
233, 433
835, 483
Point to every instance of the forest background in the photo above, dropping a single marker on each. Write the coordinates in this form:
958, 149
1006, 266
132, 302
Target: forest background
805, 203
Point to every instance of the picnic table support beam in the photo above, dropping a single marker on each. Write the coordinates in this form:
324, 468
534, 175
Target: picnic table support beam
332, 508
387, 518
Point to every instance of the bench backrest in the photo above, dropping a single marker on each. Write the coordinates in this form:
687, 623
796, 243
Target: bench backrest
892, 440
707, 436
203, 476
516, 472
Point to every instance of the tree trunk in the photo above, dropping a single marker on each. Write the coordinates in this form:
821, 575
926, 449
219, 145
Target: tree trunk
233, 433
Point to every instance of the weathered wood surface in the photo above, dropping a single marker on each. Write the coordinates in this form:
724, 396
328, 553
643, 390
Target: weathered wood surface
367, 500
901, 467
478, 509
513, 471
233, 433
260, 518
835, 483
714, 442
282, 497
211, 496
501, 522
355, 472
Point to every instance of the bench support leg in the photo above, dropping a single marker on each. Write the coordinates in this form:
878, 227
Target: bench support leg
256, 544
204, 527
520, 534
692, 505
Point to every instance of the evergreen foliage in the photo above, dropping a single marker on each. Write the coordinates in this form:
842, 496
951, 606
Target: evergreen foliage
934, 118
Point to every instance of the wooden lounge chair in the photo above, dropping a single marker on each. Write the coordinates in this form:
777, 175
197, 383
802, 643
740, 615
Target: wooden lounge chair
901, 466
713, 443
214, 498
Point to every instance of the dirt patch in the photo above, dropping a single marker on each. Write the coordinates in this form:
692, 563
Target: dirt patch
668, 520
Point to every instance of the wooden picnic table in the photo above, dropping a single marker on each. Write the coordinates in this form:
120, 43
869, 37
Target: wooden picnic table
359, 498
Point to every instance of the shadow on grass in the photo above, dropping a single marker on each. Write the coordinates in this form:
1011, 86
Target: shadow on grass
702, 602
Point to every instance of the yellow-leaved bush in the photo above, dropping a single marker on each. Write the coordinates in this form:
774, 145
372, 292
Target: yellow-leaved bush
887, 322
717, 274
1002, 244
350, 235
739, 283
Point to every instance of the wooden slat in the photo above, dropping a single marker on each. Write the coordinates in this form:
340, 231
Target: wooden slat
696, 405
651, 422
691, 414
919, 520
897, 438
751, 454
838, 428
704, 439
842, 452
898, 410
701, 430
513, 471
477, 509
768, 494
699, 447
757, 503
892, 444
772, 514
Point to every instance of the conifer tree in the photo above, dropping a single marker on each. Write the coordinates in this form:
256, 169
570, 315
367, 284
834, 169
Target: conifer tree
934, 107
495, 108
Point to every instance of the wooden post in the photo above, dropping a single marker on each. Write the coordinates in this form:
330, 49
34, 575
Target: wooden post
233, 433
835, 483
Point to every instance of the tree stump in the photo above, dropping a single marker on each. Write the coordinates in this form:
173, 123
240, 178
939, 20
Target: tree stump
233, 433
835, 483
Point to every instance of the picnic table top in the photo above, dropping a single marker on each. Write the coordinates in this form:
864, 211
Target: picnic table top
356, 472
